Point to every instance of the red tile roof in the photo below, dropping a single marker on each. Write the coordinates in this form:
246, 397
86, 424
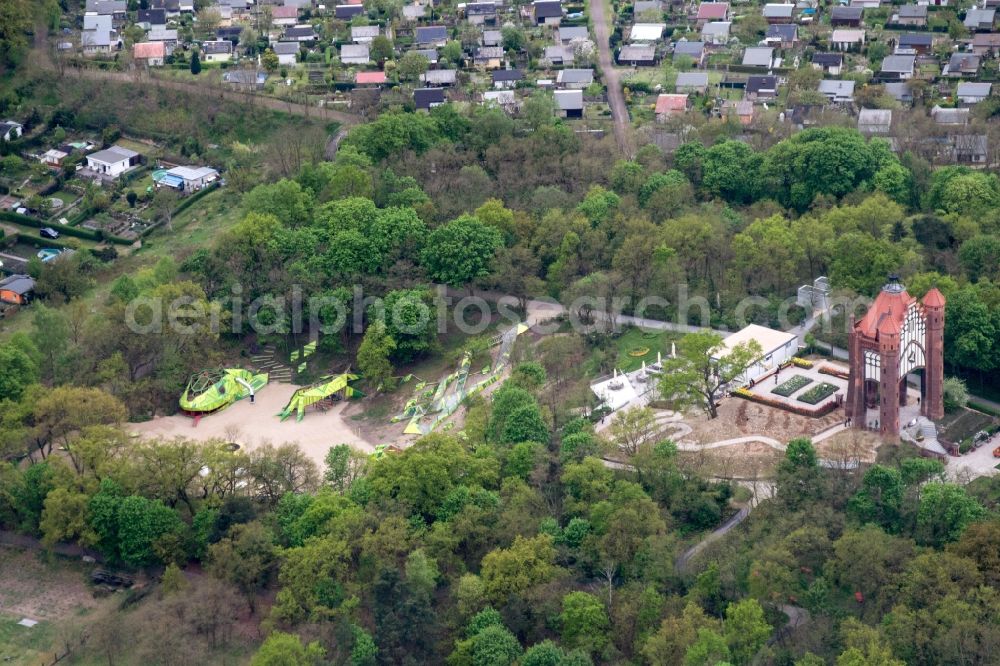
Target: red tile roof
369, 77
150, 50
285, 12
669, 103
887, 312
712, 10
934, 298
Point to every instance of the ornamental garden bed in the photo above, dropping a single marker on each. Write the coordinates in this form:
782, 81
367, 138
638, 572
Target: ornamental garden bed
818, 393
790, 386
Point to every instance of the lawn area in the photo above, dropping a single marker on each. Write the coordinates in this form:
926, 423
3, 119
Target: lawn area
635, 340
25, 645
65, 196
195, 228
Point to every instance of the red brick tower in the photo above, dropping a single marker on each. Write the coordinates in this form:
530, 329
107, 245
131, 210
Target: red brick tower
888, 350
897, 335
933, 404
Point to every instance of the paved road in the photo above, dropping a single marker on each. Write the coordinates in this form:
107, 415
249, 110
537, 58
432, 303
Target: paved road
684, 558
616, 98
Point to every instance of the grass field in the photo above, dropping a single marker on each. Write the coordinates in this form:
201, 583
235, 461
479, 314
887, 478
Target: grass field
634, 340
25, 645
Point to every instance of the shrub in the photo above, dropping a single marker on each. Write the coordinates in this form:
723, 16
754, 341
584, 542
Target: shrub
790, 386
817, 393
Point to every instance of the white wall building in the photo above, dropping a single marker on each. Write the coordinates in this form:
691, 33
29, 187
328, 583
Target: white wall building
778, 347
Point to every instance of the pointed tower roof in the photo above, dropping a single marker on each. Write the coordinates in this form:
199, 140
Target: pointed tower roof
890, 304
934, 298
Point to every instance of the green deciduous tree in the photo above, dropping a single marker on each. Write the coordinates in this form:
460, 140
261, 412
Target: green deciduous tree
746, 630
461, 251
945, 510
281, 649
584, 622
702, 367
374, 356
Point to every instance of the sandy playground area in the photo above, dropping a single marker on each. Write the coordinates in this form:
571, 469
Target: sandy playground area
251, 425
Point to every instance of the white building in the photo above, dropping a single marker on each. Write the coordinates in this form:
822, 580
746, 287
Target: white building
189, 179
778, 347
112, 162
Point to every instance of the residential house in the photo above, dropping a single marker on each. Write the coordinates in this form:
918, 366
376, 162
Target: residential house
566, 34
113, 161
488, 57
17, 289
783, 35
171, 7
761, 88
900, 91
691, 82
364, 34
986, 43
547, 12
11, 130
370, 79
569, 103
147, 19
354, 54
574, 78
913, 16
151, 54
116, 9
740, 110
758, 56
668, 106
847, 39
637, 55
232, 33
189, 179
481, 13
504, 79
866, 4
980, 20
716, 32
837, 91
217, 51
778, 13
559, 55
505, 99
245, 79
972, 92
53, 157
914, 43
896, 68
98, 35
299, 33
712, 11
968, 149
492, 38
347, 12
426, 98
829, 63
849, 17
439, 77
646, 32
962, 65
284, 16
431, 35
287, 52
431, 55
875, 121
168, 37
950, 117
693, 50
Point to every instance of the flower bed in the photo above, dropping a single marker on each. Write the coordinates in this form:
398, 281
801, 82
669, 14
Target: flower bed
801, 363
639, 351
822, 410
817, 393
790, 386
834, 371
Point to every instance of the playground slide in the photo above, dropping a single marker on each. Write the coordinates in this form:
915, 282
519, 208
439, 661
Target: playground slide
326, 388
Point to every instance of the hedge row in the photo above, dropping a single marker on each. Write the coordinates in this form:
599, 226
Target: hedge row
189, 201
67, 230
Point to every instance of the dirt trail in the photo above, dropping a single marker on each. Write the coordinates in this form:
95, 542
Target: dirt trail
616, 98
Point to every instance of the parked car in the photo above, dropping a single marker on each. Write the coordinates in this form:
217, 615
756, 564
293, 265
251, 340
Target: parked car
48, 232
